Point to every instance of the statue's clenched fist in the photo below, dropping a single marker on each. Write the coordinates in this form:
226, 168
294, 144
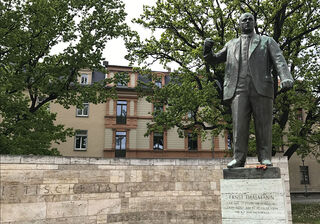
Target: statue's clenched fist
208, 44
286, 84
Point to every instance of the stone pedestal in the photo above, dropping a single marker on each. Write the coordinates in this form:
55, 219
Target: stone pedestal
253, 196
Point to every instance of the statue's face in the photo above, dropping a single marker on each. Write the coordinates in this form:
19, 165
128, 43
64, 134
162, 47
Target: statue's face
246, 23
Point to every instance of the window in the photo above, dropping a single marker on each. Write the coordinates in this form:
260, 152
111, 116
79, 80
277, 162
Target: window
121, 141
121, 112
158, 83
229, 140
158, 141
190, 115
81, 140
299, 114
124, 81
84, 112
84, 79
304, 170
157, 110
192, 141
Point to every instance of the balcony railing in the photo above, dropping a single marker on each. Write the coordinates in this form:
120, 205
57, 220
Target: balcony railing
121, 119
120, 153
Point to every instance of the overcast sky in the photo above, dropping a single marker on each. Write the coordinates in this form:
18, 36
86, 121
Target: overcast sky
115, 49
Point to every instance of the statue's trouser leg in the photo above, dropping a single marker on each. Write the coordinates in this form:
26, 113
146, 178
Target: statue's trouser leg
241, 113
262, 114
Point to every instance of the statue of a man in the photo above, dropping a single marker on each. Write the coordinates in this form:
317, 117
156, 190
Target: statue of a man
248, 84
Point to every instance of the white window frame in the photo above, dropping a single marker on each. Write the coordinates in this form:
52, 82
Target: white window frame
83, 135
156, 144
192, 140
121, 136
122, 111
81, 112
84, 79
158, 83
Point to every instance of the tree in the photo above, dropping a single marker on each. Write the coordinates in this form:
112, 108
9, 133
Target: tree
196, 87
33, 75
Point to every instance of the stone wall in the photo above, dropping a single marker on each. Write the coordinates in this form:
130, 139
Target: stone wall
90, 190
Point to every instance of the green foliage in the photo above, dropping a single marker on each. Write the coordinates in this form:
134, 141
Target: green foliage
184, 25
32, 74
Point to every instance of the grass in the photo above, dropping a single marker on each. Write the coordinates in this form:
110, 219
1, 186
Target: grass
306, 213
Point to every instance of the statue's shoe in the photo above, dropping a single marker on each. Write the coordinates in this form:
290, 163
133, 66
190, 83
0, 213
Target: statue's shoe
266, 162
234, 163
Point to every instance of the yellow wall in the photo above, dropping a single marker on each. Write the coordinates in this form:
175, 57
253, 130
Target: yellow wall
108, 138
111, 107
295, 176
133, 139
173, 140
141, 141
207, 144
144, 108
94, 124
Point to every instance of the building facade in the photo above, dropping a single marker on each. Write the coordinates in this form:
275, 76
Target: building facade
304, 175
117, 128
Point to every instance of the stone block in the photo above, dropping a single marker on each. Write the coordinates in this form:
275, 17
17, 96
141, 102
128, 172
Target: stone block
10, 159
135, 176
208, 162
16, 212
201, 186
179, 186
55, 189
117, 176
67, 209
253, 200
184, 175
120, 161
61, 176
189, 162
79, 160
47, 167
213, 185
87, 188
99, 161
98, 176
22, 176
105, 206
218, 167
141, 162
11, 192
120, 167
98, 196
62, 160
107, 167
163, 162
77, 167
251, 173
18, 167
38, 159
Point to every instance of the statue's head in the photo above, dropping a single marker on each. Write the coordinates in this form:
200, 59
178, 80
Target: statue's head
247, 23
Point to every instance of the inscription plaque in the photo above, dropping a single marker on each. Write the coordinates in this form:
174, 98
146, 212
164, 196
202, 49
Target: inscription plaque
253, 201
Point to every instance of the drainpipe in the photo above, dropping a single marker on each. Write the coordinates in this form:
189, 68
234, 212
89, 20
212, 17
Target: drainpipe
304, 180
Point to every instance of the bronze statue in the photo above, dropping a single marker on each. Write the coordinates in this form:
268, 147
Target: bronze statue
248, 84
